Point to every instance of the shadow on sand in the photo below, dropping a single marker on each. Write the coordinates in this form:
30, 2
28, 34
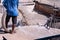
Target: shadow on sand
9, 26
2, 32
4, 38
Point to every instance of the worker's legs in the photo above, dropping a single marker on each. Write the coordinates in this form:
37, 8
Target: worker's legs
14, 21
7, 20
6, 23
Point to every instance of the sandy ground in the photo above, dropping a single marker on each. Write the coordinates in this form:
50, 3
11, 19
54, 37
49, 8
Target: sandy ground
32, 17
33, 31
24, 32
30, 33
55, 3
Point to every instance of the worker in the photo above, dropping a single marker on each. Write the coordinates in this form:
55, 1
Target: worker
11, 7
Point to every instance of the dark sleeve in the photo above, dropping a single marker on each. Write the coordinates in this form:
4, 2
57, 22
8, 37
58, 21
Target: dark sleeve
5, 3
